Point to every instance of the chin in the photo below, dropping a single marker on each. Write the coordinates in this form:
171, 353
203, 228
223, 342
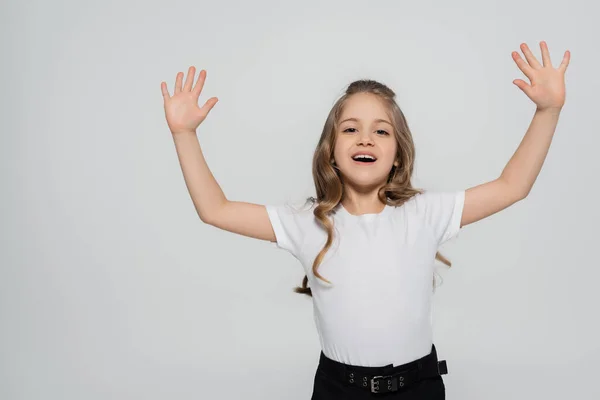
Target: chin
365, 180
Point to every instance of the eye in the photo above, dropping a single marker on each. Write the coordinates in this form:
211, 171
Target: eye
381, 131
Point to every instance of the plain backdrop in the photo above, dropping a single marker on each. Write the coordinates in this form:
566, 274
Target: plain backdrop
112, 288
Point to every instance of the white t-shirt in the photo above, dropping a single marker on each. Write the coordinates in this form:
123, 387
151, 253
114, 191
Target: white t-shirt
378, 309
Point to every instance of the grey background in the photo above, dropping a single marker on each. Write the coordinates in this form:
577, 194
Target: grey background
112, 288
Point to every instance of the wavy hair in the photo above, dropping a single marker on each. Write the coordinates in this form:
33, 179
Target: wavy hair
328, 184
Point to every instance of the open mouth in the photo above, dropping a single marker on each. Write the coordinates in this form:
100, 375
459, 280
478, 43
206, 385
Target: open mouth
363, 159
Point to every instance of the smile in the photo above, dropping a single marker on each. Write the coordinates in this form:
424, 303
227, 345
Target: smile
365, 162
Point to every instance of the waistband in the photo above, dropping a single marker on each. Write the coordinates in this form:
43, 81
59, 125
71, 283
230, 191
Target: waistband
396, 377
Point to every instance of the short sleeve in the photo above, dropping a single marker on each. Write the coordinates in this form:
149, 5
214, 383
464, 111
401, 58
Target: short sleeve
289, 226
442, 211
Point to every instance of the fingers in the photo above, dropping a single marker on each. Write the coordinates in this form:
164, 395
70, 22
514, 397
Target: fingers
534, 64
210, 103
165, 92
530, 57
565, 62
545, 54
200, 82
521, 84
523, 66
190, 79
178, 82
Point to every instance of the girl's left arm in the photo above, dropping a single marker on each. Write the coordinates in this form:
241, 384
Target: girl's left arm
547, 91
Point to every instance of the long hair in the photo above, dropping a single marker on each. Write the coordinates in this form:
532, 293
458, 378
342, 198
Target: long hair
328, 184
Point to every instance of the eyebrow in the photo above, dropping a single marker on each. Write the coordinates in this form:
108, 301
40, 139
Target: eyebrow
357, 120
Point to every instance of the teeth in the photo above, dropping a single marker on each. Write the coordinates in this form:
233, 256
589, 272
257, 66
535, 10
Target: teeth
363, 156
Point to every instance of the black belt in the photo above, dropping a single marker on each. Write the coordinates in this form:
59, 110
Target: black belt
387, 378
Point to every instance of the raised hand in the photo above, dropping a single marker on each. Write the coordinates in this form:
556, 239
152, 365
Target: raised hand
181, 109
547, 88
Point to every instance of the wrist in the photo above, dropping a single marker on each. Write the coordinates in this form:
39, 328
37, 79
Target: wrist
549, 110
183, 135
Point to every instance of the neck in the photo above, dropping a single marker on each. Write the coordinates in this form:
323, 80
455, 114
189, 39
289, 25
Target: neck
363, 205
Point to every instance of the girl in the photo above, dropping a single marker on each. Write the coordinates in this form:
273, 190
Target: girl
368, 240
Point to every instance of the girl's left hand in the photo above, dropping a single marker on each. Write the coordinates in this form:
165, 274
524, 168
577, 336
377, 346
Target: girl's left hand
547, 89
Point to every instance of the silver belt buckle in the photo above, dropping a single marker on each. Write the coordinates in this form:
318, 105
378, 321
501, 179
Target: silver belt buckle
373, 388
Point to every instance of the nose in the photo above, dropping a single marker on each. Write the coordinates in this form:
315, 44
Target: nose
365, 138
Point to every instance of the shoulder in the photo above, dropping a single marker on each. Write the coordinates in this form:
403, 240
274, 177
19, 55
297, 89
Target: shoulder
431, 203
299, 213
416, 201
433, 198
292, 223
295, 208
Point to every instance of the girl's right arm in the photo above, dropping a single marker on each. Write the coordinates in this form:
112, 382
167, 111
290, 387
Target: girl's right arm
183, 117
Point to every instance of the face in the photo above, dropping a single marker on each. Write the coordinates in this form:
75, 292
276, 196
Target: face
365, 127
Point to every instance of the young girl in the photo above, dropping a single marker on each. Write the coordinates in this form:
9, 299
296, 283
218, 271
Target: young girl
368, 240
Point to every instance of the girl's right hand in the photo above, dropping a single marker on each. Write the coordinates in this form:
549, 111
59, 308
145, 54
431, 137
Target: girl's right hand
181, 110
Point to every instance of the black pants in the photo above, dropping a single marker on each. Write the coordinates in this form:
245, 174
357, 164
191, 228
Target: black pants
330, 381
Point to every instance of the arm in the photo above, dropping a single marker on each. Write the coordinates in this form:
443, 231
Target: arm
547, 91
183, 117
209, 200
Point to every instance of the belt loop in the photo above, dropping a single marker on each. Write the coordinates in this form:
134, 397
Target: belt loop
388, 368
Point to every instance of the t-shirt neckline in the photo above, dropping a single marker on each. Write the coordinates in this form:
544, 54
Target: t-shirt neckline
367, 216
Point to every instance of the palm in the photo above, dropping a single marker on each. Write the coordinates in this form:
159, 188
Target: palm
181, 110
547, 88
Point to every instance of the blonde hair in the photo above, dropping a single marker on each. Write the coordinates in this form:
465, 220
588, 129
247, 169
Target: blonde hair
329, 186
